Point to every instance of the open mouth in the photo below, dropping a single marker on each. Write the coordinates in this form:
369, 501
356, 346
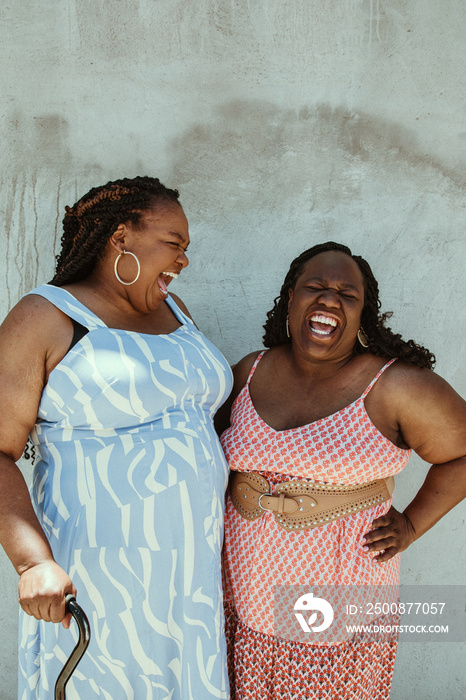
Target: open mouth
322, 325
164, 280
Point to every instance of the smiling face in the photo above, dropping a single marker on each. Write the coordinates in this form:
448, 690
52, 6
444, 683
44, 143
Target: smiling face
325, 306
159, 240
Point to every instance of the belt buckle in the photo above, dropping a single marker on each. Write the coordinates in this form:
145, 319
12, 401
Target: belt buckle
267, 510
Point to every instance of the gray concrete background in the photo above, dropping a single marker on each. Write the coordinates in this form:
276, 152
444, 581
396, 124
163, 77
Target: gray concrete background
283, 124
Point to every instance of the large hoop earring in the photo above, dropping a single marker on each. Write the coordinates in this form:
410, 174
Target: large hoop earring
126, 252
287, 327
363, 339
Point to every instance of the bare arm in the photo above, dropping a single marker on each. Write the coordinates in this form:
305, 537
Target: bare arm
432, 419
26, 360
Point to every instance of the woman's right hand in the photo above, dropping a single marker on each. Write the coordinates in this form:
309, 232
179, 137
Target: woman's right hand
42, 589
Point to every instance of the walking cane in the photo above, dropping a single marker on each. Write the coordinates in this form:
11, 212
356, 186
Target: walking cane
78, 652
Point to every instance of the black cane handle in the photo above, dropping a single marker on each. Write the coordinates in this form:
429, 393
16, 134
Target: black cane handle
78, 652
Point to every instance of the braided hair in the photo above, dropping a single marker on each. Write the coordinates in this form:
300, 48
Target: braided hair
382, 340
90, 222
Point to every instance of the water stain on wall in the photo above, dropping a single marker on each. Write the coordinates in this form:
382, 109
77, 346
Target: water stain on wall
261, 183
37, 142
257, 154
266, 179
37, 154
292, 34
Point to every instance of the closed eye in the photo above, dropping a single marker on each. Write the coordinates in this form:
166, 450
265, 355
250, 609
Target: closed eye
316, 288
177, 245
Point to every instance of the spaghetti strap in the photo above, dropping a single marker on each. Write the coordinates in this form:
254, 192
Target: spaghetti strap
253, 368
379, 373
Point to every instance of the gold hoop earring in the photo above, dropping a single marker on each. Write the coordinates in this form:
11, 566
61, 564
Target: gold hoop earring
115, 268
287, 327
363, 339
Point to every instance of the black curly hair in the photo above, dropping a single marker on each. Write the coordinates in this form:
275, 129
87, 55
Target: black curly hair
382, 341
90, 222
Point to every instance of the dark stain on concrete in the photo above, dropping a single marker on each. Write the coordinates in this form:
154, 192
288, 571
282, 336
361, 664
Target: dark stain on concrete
259, 140
253, 161
38, 143
51, 133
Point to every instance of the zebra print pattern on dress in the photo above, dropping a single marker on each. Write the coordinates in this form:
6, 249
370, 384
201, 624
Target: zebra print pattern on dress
129, 488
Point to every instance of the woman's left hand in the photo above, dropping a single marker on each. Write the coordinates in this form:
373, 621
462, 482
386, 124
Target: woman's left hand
392, 533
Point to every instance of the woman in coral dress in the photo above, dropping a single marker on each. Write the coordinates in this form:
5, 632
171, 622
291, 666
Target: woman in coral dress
335, 405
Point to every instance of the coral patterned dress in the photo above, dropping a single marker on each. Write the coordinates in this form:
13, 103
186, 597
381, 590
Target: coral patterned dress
343, 448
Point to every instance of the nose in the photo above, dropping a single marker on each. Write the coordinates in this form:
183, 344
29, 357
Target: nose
329, 298
182, 259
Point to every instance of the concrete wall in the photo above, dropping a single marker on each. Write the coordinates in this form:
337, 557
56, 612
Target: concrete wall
283, 124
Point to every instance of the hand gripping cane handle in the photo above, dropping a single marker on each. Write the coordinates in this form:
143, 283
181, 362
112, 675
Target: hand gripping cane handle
78, 652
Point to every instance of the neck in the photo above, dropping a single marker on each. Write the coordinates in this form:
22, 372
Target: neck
316, 369
103, 289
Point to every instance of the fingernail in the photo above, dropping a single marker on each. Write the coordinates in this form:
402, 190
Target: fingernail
366, 549
364, 539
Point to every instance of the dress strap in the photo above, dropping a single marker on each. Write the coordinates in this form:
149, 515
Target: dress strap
180, 315
70, 306
253, 368
379, 373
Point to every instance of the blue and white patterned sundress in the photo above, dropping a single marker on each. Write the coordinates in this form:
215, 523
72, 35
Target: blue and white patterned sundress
129, 488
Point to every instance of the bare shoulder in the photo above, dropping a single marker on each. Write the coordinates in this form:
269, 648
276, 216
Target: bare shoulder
406, 382
32, 315
34, 333
242, 369
240, 375
181, 305
430, 414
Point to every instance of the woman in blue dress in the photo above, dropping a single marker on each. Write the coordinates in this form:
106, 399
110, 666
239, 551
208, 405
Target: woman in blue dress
117, 389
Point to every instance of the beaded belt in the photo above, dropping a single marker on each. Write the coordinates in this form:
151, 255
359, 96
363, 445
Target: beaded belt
301, 505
